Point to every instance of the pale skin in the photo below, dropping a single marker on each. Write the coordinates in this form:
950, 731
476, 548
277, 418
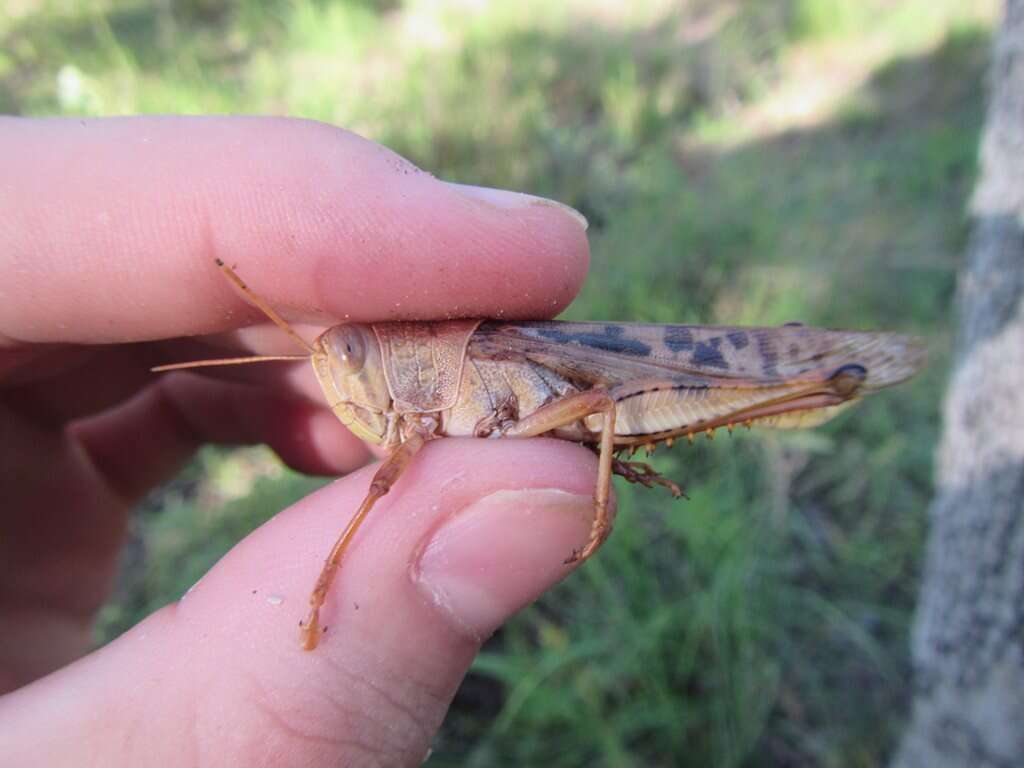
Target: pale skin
108, 232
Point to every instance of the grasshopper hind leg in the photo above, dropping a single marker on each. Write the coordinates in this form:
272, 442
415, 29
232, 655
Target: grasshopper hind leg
644, 474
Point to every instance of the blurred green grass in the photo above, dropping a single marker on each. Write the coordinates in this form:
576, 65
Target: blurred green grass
749, 162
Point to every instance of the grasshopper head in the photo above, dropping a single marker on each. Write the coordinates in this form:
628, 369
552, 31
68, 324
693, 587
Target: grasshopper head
348, 366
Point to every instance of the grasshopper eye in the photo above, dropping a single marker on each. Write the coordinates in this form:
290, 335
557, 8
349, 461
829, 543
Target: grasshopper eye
347, 349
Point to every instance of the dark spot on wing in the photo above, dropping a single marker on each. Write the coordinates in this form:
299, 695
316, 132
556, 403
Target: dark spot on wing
707, 353
853, 370
769, 357
794, 351
848, 378
737, 338
610, 340
678, 339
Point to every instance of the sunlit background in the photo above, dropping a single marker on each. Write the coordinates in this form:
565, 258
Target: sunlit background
739, 162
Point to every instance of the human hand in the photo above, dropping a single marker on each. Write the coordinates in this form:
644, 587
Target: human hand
108, 237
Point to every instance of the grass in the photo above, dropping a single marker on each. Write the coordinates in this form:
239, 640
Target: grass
746, 163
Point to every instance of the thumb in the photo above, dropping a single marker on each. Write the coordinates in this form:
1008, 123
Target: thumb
472, 531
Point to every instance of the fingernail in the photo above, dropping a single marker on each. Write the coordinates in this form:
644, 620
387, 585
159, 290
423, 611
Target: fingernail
501, 553
504, 198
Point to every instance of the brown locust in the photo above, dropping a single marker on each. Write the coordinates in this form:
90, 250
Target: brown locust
611, 386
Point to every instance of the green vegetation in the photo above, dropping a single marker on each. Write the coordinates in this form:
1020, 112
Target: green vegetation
747, 163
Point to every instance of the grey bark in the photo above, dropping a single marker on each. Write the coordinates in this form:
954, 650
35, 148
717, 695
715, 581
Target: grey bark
968, 643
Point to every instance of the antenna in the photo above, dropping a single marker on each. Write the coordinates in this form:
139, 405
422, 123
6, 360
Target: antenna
226, 361
262, 305
266, 309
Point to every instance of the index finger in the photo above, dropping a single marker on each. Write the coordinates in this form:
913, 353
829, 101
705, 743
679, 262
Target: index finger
109, 230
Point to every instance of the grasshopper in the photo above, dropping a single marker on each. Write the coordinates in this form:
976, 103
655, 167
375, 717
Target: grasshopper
610, 386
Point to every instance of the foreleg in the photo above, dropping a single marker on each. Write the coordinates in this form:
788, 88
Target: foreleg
387, 475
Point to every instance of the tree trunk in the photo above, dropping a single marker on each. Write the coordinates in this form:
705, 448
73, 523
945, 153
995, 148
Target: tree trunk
968, 641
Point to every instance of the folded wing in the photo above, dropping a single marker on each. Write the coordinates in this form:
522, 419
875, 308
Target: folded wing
728, 356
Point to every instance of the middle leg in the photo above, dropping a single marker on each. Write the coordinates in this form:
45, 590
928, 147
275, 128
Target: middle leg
563, 412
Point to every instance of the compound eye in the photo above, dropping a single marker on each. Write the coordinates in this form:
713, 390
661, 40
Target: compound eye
347, 349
